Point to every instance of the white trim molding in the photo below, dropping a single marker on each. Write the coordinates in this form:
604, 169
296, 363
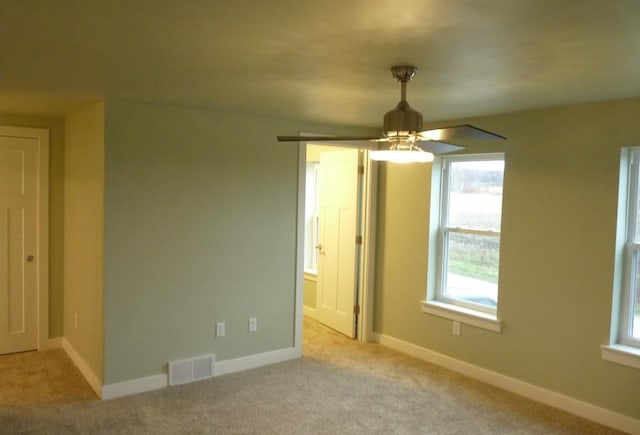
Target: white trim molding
462, 315
367, 270
566, 403
255, 361
43, 234
298, 278
53, 343
134, 386
156, 382
620, 354
311, 275
84, 368
309, 312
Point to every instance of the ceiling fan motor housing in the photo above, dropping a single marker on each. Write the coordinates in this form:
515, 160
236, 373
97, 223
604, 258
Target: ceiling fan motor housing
402, 120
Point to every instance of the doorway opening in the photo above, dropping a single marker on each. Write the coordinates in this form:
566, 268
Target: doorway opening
336, 239
24, 259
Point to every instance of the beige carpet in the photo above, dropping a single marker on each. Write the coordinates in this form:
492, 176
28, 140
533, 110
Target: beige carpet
339, 386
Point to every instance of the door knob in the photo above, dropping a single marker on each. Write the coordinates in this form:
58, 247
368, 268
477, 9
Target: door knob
29, 258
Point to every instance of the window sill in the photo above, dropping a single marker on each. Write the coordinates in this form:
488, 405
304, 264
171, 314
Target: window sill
621, 354
462, 315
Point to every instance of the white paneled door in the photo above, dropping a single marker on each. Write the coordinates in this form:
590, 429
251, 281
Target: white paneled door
338, 221
18, 243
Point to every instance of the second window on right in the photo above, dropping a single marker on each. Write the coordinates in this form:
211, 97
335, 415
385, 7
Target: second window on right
469, 231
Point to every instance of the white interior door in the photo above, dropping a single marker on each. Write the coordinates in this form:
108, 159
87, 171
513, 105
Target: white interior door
338, 220
18, 236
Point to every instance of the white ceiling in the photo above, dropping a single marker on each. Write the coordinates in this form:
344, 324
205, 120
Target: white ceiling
323, 60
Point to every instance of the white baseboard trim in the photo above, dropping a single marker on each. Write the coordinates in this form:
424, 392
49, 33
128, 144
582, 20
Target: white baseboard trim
82, 365
257, 360
134, 386
156, 382
310, 312
53, 343
531, 391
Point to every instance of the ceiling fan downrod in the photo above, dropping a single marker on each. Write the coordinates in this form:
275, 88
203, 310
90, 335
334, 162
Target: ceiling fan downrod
403, 120
403, 74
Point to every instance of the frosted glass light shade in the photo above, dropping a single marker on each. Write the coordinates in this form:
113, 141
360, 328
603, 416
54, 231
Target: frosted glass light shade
401, 156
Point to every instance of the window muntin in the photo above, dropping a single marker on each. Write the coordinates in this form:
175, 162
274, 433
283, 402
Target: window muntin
469, 231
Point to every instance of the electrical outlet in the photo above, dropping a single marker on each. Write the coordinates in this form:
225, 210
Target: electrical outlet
456, 328
75, 320
253, 324
220, 329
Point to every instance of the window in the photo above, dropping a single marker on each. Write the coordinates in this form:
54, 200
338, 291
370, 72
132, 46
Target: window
629, 327
468, 209
311, 219
625, 319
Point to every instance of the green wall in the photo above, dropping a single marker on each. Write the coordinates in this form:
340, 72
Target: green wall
200, 223
200, 227
83, 235
556, 259
56, 211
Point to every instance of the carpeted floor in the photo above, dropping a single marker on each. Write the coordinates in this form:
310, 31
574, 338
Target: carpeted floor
31, 378
339, 386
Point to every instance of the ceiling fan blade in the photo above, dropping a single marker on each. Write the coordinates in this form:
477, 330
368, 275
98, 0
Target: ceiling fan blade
400, 125
456, 132
438, 148
325, 138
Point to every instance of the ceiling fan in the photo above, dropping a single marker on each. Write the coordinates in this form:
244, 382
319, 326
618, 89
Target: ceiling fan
403, 131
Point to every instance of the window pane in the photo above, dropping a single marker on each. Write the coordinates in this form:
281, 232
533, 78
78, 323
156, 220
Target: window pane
475, 194
472, 268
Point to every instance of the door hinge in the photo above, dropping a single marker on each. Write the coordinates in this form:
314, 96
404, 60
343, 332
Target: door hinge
356, 309
360, 169
358, 240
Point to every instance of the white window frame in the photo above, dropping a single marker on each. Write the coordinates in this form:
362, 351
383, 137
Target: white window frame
437, 302
624, 348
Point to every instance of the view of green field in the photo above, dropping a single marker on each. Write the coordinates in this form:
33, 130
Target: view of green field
474, 203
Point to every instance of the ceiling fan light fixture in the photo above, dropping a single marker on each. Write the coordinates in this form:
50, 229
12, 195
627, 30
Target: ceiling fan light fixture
400, 134
402, 153
401, 156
